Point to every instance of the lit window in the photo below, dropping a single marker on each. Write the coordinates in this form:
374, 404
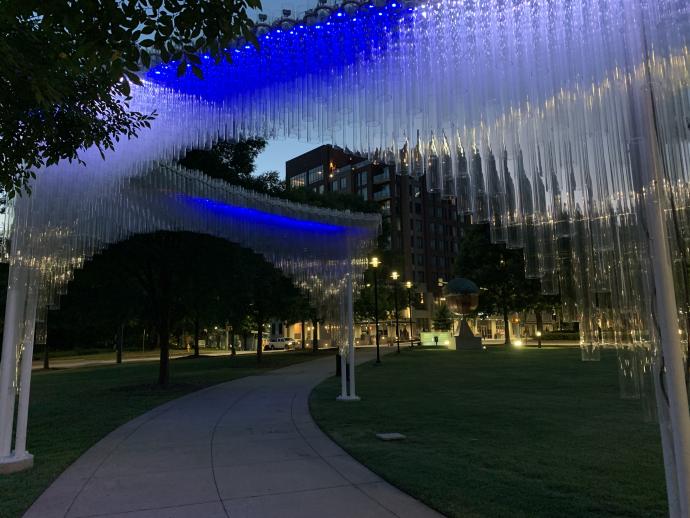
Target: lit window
298, 180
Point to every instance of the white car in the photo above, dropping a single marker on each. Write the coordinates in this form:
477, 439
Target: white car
280, 343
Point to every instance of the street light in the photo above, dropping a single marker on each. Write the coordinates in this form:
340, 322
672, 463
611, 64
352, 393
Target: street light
394, 276
374, 263
539, 339
408, 285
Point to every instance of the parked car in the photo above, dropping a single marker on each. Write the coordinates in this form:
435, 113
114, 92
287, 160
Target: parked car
281, 343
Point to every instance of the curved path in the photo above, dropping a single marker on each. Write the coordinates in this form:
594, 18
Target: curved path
246, 448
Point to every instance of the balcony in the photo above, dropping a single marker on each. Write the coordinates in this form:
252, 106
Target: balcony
382, 177
383, 194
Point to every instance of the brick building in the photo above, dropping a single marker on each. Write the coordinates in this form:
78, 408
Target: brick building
424, 229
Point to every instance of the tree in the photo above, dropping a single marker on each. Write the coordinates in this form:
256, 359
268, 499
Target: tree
369, 299
173, 278
498, 271
227, 160
364, 304
443, 318
66, 69
272, 296
99, 301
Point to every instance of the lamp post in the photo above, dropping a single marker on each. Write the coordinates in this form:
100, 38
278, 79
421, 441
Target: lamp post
441, 299
408, 285
394, 276
375, 264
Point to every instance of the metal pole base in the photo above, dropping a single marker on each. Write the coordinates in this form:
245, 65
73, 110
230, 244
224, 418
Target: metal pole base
347, 398
15, 463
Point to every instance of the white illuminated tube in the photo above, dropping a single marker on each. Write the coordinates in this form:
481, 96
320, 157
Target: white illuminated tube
563, 124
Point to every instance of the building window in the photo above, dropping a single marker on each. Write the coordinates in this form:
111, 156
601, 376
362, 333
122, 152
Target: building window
299, 180
382, 176
363, 192
382, 194
315, 174
343, 184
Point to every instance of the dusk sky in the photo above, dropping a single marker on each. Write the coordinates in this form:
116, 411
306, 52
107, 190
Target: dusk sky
278, 151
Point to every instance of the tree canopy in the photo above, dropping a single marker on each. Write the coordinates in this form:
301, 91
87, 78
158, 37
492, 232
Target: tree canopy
443, 318
66, 69
166, 278
234, 162
498, 271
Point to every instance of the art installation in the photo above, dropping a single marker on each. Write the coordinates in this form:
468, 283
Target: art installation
564, 124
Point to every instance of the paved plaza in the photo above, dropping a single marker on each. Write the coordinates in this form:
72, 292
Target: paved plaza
246, 448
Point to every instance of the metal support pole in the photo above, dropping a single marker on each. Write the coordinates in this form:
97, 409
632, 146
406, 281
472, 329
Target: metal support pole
376, 315
397, 318
120, 339
343, 376
409, 306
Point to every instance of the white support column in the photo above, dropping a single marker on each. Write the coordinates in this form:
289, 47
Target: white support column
29, 318
673, 365
351, 336
21, 303
16, 296
352, 396
666, 430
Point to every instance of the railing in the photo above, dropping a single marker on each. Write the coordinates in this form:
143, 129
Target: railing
382, 194
382, 177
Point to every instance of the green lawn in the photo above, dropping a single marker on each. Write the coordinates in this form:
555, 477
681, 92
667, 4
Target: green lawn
523, 433
71, 409
58, 358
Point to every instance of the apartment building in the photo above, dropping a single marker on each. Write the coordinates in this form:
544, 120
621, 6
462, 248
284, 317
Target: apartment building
423, 224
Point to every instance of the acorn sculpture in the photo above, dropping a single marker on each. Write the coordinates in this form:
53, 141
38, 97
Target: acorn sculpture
462, 297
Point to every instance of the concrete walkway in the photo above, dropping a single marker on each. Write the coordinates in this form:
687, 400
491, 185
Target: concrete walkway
246, 448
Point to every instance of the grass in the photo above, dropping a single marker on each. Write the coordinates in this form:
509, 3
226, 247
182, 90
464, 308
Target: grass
59, 357
527, 433
72, 409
